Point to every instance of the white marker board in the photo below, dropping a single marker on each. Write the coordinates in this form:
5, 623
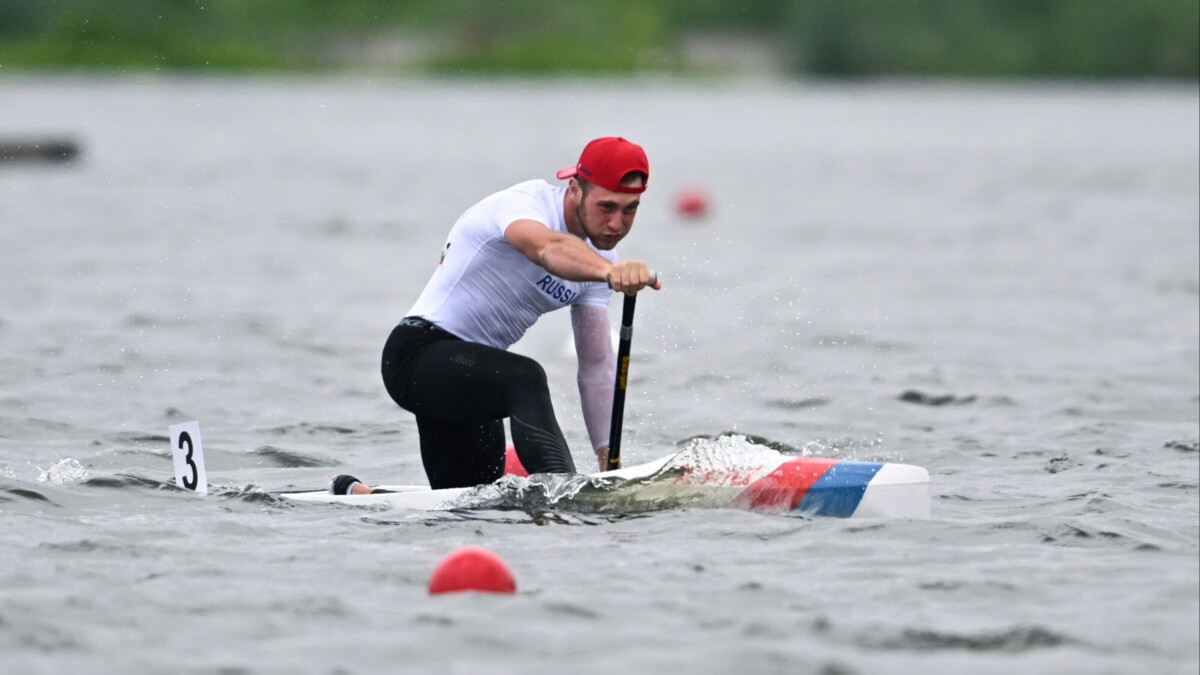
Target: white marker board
188, 456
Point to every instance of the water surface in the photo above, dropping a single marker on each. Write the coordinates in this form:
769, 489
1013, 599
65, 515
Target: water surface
996, 282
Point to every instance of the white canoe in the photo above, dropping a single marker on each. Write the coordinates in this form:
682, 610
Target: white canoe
763, 480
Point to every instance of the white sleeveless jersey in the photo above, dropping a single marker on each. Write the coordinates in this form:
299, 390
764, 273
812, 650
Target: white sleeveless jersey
485, 290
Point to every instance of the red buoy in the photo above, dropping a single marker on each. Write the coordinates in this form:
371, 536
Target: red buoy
472, 568
691, 203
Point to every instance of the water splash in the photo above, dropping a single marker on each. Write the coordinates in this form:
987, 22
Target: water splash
730, 460
731, 451
65, 471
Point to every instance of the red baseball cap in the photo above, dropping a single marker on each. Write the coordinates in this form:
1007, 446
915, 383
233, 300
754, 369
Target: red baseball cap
605, 161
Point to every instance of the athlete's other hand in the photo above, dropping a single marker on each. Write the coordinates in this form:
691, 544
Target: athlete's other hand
602, 458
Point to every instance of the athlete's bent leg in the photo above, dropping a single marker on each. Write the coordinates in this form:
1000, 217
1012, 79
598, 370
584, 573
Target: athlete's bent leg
461, 455
537, 437
464, 385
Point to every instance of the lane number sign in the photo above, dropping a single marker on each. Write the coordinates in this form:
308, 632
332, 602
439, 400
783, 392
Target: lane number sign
188, 456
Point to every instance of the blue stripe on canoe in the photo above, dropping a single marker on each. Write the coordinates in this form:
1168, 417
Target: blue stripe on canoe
838, 492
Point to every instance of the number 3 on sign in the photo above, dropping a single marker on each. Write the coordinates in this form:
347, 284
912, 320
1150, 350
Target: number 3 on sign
189, 457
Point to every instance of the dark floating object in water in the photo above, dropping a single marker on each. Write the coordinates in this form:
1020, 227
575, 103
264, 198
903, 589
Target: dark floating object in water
914, 396
38, 150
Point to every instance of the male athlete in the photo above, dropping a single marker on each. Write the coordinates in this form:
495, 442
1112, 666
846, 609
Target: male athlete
517, 254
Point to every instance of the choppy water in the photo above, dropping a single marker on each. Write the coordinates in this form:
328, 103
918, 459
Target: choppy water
996, 282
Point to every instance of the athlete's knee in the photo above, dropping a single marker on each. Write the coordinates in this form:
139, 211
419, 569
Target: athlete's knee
528, 375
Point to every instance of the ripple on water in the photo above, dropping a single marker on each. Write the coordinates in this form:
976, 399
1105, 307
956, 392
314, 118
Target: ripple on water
1013, 640
280, 457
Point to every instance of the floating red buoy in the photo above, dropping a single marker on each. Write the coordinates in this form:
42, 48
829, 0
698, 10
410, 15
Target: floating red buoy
691, 202
472, 568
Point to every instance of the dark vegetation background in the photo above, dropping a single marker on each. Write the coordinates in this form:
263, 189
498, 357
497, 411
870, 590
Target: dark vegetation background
840, 38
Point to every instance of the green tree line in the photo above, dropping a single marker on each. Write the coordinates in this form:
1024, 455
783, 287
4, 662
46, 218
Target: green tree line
844, 38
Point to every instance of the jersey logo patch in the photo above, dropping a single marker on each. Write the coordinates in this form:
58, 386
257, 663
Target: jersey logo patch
556, 289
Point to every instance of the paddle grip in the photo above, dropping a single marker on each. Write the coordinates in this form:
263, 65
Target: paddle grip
653, 279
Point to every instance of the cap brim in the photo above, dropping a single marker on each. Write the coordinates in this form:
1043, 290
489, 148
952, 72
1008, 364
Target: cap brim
568, 172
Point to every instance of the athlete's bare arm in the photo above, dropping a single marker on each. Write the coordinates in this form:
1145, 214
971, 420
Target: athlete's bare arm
569, 257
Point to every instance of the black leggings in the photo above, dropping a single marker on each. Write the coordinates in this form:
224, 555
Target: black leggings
461, 392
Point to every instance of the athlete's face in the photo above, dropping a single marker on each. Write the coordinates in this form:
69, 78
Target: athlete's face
606, 216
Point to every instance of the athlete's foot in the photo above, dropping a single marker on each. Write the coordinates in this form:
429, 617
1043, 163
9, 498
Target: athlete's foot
348, 485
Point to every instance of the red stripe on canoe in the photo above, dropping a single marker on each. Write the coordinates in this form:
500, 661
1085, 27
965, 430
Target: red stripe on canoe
782, 489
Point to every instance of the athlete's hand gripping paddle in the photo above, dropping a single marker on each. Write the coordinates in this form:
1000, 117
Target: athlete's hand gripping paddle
618, 411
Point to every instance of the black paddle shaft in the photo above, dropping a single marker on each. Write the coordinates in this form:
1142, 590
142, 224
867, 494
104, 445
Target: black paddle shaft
618, 411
